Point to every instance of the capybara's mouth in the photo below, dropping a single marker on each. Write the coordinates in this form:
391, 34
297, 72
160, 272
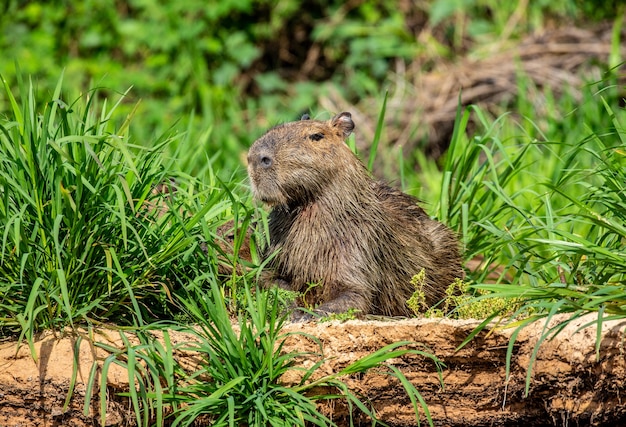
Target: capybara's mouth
268, 196
268, 199
270, 202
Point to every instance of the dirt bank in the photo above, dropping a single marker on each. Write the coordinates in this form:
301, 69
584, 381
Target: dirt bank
569, 386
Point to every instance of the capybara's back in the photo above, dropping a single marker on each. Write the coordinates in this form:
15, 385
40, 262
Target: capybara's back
331, 224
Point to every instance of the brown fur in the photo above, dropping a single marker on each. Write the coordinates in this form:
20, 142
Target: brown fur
334, 225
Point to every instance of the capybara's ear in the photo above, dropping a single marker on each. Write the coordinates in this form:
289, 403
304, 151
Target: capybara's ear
343, 121
305, 116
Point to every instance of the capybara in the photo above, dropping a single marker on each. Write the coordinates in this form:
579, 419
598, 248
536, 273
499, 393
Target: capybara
358, 239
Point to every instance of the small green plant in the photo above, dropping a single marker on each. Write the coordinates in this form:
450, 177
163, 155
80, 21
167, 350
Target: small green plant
351, 314
417, 302
460, 302
472, 303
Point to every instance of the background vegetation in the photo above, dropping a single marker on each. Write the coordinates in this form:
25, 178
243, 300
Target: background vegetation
105, 102
226, 70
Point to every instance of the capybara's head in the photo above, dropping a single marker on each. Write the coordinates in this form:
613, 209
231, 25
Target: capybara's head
294, 162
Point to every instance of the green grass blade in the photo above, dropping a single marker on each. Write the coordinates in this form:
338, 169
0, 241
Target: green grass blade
377, 134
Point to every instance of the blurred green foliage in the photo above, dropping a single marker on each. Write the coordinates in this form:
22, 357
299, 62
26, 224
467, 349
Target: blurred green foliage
224, 69
205, 57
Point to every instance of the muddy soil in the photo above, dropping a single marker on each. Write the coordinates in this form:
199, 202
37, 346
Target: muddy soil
569, 384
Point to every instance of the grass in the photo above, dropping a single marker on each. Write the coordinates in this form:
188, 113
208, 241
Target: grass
545, 209
548, 212
86, 236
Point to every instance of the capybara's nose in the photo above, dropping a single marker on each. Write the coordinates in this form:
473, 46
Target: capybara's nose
260, 159
265, 161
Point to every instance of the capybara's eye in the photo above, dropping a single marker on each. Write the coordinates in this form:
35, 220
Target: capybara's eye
316, 136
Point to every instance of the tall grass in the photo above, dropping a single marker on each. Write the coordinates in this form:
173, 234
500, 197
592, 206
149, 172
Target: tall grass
85, 235
547, 214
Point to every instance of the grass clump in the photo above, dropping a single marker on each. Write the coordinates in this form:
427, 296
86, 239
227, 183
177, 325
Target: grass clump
558, 230
543, 206
547, 209
93, 230
238, 376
